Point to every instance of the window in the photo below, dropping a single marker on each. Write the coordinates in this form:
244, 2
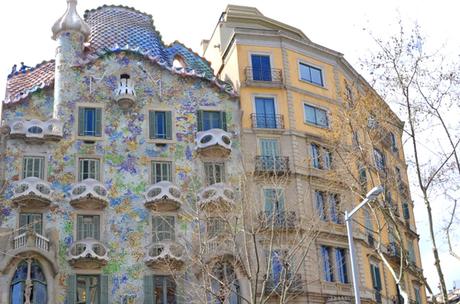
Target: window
369, 227
265, 116
348, 93
341, 264
261, 69
376, 282
211, 120
215, 226
33, 167
279, 266
89, 168
163, 228
394, 145
355, 139
316, 116
321, 157
225, 284
411, 251
406, 212
311, 74
398, 175
88, 289
161, 171
326, 253
88, 227
379, 160
418, 297
274, 202
31, 221
214, 173
160, 124
328, 206
29, 272
165, 290
89, 121
363, 180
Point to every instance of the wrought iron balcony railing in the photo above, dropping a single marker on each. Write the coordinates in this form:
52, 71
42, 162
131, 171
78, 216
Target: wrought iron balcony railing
291, 284
278, 220
262, 75
272, 164
267, 121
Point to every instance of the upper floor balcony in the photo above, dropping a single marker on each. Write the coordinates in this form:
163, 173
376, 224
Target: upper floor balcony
267, 121
125, 95
165, 253
89, 194
32, 192
394, 251
36, 131
163, 196
278, 220
219, 246
289, 283
88, 253
214, 143
216, 196
263, 77
271, 164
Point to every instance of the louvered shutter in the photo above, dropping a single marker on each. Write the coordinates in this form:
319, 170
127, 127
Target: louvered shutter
104, 289
81, 121
148, 289
151, 124
199, 120
79, 227
97, 227
98, 122
168, 123
71, 289
223, 120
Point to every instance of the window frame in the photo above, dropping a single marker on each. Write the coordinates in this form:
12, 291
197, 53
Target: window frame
164, 218
380, 153
164, 280
213, 165
99, 224
99, 162
29, 214
257, 53
77, 122
34, 156
98, 285
161, 161
316, 107
148, 130
200, 118
311, 66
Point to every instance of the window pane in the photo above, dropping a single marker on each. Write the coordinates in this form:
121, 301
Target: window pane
160, 125
305, 72
89, 122
321, 117
316, 76
33, 167
163, 228
211, 120
214, 173
89, 168
310, 114
87, 289
161, 171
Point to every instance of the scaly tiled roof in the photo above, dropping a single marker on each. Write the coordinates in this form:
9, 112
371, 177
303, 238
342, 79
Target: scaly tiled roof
113, 29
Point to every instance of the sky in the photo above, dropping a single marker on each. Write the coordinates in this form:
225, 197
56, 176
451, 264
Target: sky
26, 36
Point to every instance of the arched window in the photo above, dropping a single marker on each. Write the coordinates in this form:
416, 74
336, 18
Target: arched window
29, 284
225, 286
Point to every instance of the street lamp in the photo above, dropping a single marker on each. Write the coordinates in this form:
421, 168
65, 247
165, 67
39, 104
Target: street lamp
370, 196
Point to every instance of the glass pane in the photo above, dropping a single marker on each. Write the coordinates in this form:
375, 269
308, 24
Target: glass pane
160, 125
316, 76
21, 272
39, 293
310, 114
17, 294
90, 124
321, 117
305, 72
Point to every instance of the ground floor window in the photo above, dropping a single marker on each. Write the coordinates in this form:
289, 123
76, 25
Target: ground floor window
29, 284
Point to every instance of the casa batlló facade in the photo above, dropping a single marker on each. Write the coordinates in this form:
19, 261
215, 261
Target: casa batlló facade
120, 155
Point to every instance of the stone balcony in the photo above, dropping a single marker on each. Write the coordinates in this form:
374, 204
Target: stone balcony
36, 130
281, 221
219, 246
89, 194
165, 253
292, 284
216, 197
88, 253
32, 192
273, 165
163, 196
125, 95
213, 143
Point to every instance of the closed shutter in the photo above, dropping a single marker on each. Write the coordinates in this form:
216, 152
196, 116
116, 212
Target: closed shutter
22, 223
148, 289
151, 124
98, 122
199, 120
223, 120
168, 122
80, 227
104, 289
97, 227
81, 121
180, 291
171, 227
71, 289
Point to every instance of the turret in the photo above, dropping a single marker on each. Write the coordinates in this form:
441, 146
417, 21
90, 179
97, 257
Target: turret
70, 32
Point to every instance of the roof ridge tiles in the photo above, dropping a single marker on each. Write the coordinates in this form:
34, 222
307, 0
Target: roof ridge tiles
28, 70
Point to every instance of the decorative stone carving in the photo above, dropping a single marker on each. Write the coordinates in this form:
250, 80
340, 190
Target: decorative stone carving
89, 194
36, 130
163, 196
88, 253
216, 196
32, 192
169, 253
125, 95
214, 143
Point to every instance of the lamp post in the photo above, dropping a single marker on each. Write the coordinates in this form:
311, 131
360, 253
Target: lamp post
370, 196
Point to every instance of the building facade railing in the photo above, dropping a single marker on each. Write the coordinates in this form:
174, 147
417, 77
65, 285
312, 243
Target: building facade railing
266, 75
267, 121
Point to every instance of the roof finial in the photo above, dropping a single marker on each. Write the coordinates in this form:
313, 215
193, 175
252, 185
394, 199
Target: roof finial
71, 21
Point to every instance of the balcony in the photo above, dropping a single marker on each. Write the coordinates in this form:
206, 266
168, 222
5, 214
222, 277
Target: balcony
216, 197
214, 143
219, 246
394, 251
89, 194
269, 78
277, 165
283, 220
377, 296
32, 192
403, 189
163, 196
267, 121
37, 131
88, 253
165, 253
32, 240
125, 95
293, 283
